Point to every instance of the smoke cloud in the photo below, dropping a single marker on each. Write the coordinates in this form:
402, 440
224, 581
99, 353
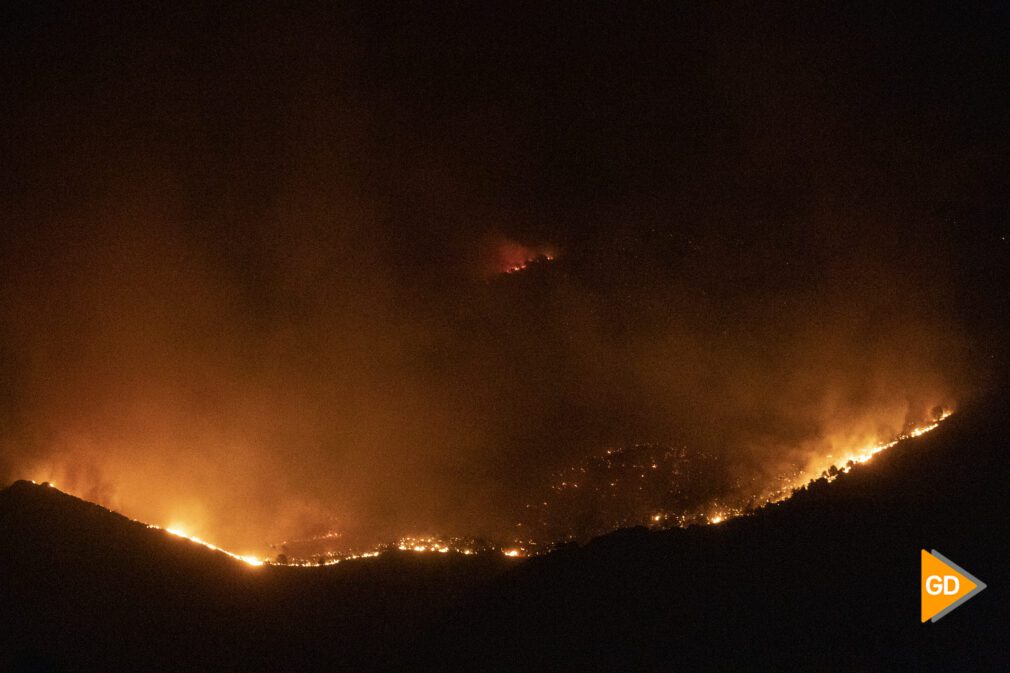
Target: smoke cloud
251, 273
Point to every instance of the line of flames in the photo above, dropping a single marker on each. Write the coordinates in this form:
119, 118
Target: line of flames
427, 545
415, 545
805, 478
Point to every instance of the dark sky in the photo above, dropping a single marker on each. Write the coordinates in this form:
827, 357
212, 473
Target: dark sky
249, 263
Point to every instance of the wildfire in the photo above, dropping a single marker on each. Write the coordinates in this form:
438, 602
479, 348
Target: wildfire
247, 559
615, 472
867, 453
330, 561
515, 267
673, 487
423, 544
417, 545
838, 467
429, 544
512, 257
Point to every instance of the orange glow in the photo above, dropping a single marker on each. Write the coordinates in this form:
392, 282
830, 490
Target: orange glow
247, 559
511, 257
817, 468
866, 453
622, 479
828, 467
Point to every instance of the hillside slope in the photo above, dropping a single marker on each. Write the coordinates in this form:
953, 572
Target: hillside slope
826, 581
85, 589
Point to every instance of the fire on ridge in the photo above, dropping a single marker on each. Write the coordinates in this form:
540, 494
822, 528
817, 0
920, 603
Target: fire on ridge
714, 513
672, 486
841, 466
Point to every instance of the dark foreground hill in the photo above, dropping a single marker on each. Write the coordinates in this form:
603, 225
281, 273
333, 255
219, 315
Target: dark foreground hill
827, 581
85, 589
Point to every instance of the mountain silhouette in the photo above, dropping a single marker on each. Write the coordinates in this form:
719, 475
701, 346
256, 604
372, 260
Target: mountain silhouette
825, 581
85, 589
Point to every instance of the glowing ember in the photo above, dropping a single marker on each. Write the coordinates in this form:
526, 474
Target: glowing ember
464, 546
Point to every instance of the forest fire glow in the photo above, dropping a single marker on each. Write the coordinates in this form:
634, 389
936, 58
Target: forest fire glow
674, 487
247, 559
512, 257
714, 512
867, 453
467, 547
514, 267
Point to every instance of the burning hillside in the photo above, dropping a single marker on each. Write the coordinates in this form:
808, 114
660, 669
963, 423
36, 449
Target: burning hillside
641, 485
663, 487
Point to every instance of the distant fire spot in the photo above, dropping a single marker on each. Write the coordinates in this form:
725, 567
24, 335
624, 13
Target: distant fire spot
508, 256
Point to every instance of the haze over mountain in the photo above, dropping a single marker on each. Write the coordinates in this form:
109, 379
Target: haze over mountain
254, 267
304, 279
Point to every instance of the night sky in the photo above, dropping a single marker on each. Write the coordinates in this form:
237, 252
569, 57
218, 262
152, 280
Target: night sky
253, 261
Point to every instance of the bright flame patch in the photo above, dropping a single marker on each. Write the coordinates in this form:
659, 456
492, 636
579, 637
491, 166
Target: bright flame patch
250, 560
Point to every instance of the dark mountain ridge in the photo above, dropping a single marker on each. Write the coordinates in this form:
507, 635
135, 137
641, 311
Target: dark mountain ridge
83, 588
824, 581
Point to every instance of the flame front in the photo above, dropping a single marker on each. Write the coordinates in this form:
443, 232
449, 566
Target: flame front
863, 455
714, 513
247, 559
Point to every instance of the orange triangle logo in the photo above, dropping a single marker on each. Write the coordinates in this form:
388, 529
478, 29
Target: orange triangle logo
944, 585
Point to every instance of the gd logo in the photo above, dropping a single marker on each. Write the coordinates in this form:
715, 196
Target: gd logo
944, 585
949, 585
